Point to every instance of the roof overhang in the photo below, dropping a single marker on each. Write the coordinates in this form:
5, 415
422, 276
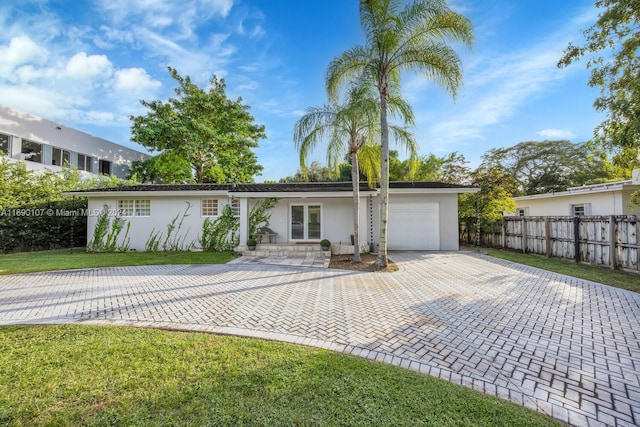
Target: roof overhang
587, 189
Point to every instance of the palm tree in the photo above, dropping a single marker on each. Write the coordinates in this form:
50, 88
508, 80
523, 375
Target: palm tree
401, 38
351, 128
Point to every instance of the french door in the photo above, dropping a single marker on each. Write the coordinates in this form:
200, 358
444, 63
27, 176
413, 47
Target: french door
306, 222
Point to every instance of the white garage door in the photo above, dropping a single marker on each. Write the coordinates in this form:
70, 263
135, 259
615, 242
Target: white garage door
414, 226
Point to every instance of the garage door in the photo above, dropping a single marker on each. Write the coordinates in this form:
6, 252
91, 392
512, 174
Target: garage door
414, 226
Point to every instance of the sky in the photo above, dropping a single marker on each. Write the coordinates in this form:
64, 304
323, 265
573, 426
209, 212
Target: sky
87, 64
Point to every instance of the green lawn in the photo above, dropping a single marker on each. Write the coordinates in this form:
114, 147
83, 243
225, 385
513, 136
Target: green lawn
28, 262
81, 375
616, 278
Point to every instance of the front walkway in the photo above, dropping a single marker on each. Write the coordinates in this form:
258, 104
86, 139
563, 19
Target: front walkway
557, 344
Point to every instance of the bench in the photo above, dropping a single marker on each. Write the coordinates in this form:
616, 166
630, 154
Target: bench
265, 234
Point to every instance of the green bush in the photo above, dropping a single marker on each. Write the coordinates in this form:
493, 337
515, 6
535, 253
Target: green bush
44, 226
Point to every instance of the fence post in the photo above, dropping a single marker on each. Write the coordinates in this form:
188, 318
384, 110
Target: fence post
547, 236
612, 242
503, 234
524, 235
576, 238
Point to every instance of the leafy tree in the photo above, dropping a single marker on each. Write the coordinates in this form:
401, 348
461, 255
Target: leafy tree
612, 45
315, 172
350, 128
497, 187
165, 168
450, 169
399, 37
212, 133
542, 167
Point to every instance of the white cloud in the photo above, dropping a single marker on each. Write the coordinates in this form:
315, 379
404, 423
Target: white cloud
556, 134
86, 67
135, 79
21, 50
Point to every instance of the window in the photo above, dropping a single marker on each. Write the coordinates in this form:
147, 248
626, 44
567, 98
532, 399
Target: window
235, 207
32, 151
59, 157
522, 212
134, 207
4, 144
209, 207
581, 209
126, 207
306, 222
143, 207
85, 163
104, 167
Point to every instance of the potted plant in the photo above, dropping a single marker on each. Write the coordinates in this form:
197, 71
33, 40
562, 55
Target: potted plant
251, 244
326, 244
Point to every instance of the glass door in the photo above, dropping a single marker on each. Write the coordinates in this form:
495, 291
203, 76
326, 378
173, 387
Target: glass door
306, 222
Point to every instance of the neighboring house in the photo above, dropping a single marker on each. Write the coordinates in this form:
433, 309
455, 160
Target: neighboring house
422, 215
47, 145
613, 198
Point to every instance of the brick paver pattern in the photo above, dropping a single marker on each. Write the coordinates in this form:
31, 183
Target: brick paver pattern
560, 345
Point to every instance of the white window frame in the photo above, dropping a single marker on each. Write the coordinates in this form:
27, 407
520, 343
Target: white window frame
522, 212
306, 238
134, 208
584, 207
209, 207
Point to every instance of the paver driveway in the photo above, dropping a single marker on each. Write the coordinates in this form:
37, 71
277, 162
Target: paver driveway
560, 345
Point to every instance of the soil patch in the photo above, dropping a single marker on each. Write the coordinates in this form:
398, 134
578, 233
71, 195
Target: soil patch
368, 263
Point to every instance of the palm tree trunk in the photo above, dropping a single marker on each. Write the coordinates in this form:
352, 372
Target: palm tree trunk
355, 180
381, 261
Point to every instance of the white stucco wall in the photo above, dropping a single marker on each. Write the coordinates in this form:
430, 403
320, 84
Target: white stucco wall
19, 126
605, 203
337, 217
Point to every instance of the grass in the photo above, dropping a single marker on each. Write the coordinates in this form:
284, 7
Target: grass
615, 278
79, 375
29, 262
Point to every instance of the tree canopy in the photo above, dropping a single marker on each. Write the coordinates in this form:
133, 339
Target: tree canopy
543, 167
214, 134
613, 47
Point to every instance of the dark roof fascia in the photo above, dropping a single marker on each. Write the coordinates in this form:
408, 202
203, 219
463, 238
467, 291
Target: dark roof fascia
296, 187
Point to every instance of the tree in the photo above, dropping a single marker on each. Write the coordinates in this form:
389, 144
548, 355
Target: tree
400, 38
351, 128
451, 169
613, 43
486, 207
165, 168
543, 167
214, 134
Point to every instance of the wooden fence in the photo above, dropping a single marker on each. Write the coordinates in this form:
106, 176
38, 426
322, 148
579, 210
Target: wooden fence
612, 241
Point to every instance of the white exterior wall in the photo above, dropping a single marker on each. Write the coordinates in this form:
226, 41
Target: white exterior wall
20, 126
336, 221
337, 217
605, 203
163, 211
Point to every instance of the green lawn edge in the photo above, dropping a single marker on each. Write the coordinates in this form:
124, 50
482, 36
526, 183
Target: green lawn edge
616, 278
32, 262
68, 375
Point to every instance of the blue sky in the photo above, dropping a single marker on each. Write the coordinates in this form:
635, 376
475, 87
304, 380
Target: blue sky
86, 64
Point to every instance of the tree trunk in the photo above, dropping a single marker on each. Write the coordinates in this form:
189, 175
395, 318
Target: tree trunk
382, 261
355, 179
